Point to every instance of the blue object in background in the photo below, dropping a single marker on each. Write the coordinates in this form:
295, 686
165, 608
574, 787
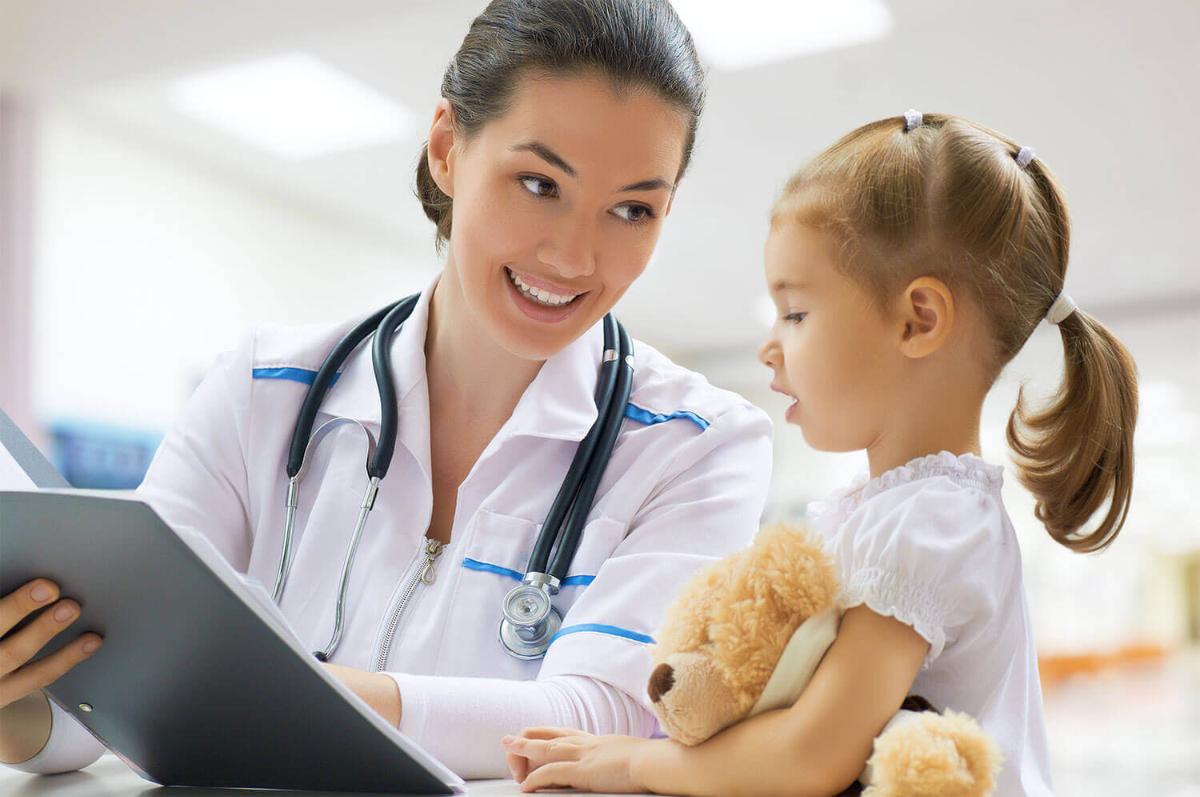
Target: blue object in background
102, 456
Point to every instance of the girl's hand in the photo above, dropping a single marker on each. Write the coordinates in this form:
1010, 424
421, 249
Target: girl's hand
561, 758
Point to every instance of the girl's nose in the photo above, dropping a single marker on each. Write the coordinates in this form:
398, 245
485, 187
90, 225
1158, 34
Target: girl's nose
767, 353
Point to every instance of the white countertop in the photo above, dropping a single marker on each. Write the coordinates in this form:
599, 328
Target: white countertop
108, 777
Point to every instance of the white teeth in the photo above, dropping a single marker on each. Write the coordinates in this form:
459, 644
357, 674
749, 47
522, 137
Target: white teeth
540, 295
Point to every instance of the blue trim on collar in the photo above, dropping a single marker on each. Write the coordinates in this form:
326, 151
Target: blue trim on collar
598, 628
486, 567
301, 375
635, 413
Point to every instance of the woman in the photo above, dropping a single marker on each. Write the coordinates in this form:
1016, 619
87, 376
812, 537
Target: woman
553, 156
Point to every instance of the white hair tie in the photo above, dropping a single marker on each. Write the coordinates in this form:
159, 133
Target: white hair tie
912, 120
1063, 306
1025, 156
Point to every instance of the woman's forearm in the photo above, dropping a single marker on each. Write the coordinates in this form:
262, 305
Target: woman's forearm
763, 756
24, 728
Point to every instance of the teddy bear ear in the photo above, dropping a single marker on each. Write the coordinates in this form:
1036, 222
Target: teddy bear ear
789, 563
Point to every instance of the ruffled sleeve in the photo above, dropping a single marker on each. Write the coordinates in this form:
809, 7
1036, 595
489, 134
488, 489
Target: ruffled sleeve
932, 553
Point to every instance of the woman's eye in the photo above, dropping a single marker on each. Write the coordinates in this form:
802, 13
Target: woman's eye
633, 214
539, 186
795, 318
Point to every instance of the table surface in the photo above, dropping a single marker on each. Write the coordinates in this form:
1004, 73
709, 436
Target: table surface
109, 777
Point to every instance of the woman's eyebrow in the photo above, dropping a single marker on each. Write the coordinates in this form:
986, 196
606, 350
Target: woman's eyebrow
647, 185
546, 154
557, 161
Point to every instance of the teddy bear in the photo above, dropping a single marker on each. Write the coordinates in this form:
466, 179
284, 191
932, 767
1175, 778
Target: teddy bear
745, 636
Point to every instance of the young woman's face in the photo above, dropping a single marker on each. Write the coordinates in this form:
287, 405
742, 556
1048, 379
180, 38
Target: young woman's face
558, 204
830, 349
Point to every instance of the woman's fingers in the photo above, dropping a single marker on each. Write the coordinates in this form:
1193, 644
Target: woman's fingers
21, 646
559, 775
24, 600
42, 673
19, 677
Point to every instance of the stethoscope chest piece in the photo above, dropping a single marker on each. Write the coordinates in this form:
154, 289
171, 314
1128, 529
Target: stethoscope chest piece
530, 621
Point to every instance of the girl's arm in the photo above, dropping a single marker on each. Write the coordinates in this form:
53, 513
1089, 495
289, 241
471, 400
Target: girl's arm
817, 747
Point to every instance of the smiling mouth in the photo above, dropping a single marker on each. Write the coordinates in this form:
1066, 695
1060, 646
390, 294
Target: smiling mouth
540, 295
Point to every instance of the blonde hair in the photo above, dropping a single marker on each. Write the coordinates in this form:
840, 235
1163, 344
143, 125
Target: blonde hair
947, 199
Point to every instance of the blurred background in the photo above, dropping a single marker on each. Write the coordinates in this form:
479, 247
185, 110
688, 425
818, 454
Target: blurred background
171, 173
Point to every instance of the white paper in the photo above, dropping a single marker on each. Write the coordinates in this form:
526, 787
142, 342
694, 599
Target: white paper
12, 477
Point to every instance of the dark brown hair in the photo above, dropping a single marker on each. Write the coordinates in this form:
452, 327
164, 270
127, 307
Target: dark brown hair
947, 199
635, 43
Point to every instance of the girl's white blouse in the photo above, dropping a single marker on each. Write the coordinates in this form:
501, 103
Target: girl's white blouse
931, 544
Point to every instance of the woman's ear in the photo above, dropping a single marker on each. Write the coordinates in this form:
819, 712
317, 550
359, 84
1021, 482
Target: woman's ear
927, 316
442, 150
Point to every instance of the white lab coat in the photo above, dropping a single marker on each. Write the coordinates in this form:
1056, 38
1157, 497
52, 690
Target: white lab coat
686, 484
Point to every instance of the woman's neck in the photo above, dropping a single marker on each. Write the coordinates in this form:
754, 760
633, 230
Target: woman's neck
469, 374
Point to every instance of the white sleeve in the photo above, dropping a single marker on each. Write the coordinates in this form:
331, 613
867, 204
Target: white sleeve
70, 746
933, 557
460, 720
197, 480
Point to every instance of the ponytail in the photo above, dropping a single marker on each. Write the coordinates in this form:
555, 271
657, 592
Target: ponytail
1077, 453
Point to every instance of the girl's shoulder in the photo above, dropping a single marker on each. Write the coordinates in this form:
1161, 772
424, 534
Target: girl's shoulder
941, 498
929, 543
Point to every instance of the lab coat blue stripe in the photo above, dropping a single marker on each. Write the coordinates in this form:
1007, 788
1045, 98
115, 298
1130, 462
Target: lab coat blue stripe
485, 567
603, 629
301, 375
635, 413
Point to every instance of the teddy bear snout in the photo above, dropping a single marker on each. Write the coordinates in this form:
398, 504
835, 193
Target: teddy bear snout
661, 681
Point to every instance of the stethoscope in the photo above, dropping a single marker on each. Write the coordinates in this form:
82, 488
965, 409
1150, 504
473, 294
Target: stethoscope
529, 620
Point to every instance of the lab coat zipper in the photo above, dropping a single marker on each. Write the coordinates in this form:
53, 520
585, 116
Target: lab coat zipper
424, 574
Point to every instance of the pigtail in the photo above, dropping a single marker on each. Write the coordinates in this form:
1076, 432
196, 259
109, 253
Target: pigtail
1077, 452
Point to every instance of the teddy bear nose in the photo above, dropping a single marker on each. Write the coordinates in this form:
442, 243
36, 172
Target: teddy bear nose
661, 681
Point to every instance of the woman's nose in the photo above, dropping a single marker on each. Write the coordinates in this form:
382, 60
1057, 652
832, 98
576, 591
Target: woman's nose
571, 252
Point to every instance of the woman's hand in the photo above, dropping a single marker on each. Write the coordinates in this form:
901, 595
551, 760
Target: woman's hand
375, 688
559, 758
18, 677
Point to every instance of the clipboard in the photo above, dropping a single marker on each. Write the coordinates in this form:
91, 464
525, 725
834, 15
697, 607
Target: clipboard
197, 683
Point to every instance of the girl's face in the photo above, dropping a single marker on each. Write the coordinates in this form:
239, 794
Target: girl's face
831, 349
558, 204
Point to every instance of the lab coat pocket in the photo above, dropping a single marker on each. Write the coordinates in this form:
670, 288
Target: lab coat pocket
495, 551
493, 561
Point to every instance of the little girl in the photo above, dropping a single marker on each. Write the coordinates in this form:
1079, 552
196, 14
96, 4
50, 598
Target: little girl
909, 263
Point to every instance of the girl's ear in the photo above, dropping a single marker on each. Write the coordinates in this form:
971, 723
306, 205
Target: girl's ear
926, 315
442, 150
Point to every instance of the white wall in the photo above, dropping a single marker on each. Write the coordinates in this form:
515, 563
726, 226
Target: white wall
147, 267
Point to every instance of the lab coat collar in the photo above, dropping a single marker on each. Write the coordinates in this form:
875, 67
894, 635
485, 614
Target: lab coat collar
355, 395
558, 404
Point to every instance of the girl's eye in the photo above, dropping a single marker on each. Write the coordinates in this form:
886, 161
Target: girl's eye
539, 186
795, 318
634, 214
